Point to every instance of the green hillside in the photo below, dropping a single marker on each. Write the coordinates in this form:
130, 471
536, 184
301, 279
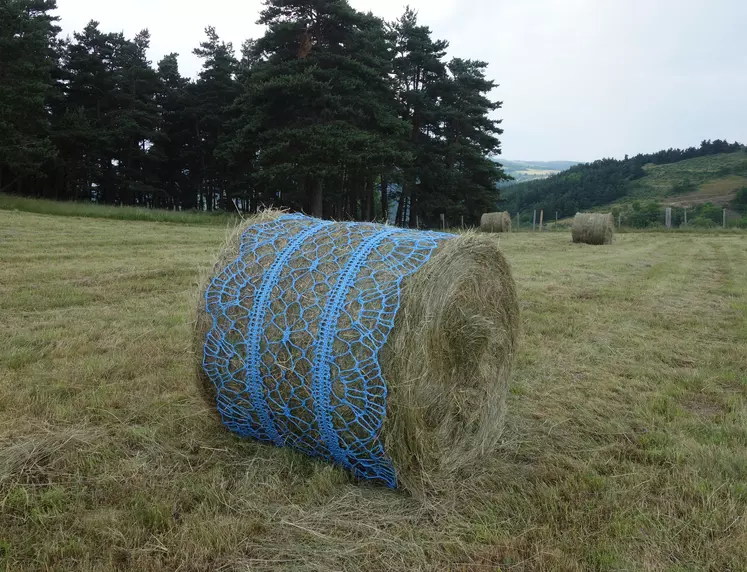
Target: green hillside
715, 179
523, 171
710, 175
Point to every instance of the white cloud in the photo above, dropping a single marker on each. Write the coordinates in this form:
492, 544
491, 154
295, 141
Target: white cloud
580, 79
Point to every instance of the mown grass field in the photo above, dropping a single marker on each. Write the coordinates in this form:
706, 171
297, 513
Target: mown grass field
91, 210
625, 446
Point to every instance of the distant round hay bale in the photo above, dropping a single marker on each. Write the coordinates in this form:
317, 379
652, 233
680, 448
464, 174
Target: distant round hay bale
495, 222
593, 228
409, 373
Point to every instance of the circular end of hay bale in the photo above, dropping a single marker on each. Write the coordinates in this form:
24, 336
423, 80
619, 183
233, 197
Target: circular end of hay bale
446, 363
495, 222
593, 228
449, 363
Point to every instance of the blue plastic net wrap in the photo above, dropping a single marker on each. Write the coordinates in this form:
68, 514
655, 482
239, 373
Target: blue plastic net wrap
299, 319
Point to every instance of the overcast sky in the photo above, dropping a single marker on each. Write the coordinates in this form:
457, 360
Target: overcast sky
579, 79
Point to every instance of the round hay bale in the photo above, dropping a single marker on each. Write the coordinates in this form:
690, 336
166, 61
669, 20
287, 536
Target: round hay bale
495, 222
399, 374
593, 228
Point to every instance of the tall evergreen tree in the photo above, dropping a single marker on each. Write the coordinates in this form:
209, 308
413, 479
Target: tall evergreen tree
420, 73
211, 102
81, 133
27, 58
134, 120
110, 116
324, 113
471, 138
174, 150
319, 105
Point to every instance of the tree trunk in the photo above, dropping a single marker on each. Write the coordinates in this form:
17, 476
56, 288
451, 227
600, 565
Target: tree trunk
384, 199
413, 209
370, 199
340, 208
317, 199
364, 200
401, 208
354, 197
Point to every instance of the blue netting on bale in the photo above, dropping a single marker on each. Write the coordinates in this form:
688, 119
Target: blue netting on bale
299, 319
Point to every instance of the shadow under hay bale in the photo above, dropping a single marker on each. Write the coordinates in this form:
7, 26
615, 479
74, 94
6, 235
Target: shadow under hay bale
495, 222
410, 372
592, 228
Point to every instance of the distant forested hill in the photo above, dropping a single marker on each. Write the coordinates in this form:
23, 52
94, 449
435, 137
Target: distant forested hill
714, 165
523, 171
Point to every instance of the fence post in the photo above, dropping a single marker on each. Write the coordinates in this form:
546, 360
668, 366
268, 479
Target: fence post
462, 221
443, 222
685, 216
724, 218
534, 221
669, 218
556, 219
518, 221
619, 220
542, 219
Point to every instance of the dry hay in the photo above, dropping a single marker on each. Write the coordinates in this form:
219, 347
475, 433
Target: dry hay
495, 222
447, 362
592, 228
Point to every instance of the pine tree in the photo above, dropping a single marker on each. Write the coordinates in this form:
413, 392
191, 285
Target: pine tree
319, 104
175, 143
471, 138
107, 122
27, 58
330, 111
79, 133
134, 119
420, 72
211, 102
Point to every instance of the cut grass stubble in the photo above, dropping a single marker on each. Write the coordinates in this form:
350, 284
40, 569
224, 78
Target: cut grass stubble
624, 443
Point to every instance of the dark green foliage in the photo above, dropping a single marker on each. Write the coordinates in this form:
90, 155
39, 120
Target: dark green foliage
599, 183
27, 62
650, 214
175, 145
684, 187
317, 103
210, 103
107, 118
703, 222
739, 203
451, 134
644, 214
332, 111
711, 212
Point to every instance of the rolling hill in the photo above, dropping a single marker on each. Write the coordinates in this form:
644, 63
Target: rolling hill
715, 179
524, 171
713, 173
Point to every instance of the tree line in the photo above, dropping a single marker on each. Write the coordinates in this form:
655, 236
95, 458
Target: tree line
602, 182
332, 111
